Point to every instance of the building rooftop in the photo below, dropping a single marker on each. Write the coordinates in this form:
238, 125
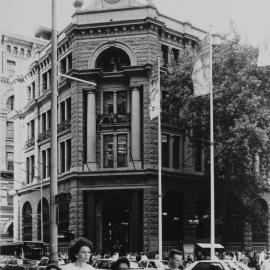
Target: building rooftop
112, 4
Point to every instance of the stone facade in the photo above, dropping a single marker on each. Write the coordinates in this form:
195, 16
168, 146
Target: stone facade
108, 155
16, 53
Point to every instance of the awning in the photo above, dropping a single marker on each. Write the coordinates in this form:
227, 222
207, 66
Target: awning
207, 245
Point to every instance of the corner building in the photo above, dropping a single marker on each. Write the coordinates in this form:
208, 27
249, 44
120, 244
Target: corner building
108, 155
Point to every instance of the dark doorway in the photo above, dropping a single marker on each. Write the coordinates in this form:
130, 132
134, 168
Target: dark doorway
116, 225
173, 216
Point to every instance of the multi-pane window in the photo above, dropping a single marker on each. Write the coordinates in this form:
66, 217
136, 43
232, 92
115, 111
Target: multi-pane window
43, 122
62, 158
27, 170
62, 111
49, 162
49, 119
10, 103
44, 162
165, 150
65, 156
115, 153
118, 99
176, 152
10, 160
66, 64
46, 80
122, 150
65, 110
108, 102
32, 158
10, 130
68, 108
30, 169
68, 146
32, 129
122, 103
108, 151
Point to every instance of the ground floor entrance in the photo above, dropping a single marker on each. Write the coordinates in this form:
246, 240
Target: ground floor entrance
114, 219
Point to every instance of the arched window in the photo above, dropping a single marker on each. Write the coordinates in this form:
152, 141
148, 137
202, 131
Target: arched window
22, 52
112, 60
15, 51
8, 49
27, 226
28, 53
10, 103
44, 214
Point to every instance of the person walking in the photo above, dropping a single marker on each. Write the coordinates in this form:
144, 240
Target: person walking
79, 254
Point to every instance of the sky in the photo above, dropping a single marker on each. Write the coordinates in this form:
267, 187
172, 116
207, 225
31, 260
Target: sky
249, 16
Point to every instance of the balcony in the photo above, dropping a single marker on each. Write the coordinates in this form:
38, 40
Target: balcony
64, 125
113, 119
30, 142
44, 135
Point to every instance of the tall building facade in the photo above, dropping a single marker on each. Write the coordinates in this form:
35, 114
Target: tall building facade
107, 144
107, 158
16, 53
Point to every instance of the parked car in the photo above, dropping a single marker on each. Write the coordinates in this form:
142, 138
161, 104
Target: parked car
154, 264
20, 264
208, 265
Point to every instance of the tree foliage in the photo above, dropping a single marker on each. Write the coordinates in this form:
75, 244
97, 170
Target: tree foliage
241, 120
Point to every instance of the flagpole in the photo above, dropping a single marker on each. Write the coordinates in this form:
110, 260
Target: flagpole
212, 154
159, 174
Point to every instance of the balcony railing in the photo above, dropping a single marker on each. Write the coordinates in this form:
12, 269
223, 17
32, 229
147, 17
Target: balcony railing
64, 125
30, 142
113, 119
44, 135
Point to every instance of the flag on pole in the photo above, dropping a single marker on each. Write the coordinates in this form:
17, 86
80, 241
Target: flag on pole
154, 91
201, 75
264, 52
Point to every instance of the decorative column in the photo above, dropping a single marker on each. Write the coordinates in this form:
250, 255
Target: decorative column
48, 80
136, 126
67, 64
114, 102
91, 128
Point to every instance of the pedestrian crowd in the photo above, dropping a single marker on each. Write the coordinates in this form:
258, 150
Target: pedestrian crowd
81, 258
